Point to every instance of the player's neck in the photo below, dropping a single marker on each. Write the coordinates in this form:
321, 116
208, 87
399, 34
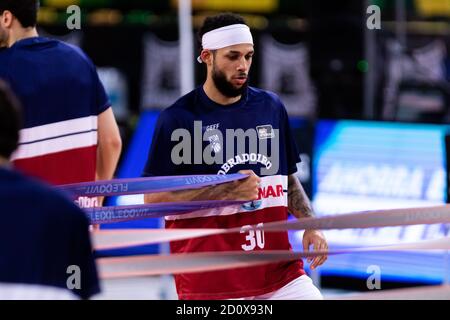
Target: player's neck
215, 95
20, 34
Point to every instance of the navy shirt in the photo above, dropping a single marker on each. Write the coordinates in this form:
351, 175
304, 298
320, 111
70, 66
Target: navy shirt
52, 76
61, 96
257, 109
42, 234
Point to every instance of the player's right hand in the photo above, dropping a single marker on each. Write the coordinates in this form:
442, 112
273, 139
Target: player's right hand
246, 189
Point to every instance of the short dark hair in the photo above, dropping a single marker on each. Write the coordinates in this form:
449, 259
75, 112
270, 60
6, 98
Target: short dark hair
24, 10
218, 21
10, 121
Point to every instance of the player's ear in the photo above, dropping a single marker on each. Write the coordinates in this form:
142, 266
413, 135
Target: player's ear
206, 56
6, 18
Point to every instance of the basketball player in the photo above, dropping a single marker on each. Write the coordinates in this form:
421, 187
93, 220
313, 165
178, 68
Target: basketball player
225, 102
69, 132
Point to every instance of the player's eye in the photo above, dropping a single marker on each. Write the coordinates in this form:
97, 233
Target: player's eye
233, 57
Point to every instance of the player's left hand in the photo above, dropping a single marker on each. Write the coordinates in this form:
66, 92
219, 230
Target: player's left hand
319, 243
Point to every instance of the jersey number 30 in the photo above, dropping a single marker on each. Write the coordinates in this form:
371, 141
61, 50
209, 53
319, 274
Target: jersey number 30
254, 237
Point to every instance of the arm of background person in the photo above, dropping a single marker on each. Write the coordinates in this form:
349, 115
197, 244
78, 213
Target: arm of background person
109, 145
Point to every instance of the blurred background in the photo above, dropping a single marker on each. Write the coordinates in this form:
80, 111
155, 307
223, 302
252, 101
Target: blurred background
369, 108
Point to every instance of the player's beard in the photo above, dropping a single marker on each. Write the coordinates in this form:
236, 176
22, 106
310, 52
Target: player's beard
226, 87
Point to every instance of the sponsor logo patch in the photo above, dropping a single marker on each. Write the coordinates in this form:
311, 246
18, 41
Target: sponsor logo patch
265, 132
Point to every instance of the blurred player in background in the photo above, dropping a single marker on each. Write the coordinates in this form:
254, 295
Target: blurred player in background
69, 132
44, 238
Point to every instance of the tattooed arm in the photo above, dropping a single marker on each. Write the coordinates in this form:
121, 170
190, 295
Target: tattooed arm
300, 206
245, 189
298, 202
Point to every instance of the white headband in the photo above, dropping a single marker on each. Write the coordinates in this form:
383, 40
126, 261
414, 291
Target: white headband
225, 37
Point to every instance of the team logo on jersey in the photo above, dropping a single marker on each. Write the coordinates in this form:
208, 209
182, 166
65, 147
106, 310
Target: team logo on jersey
252, 205
214, 140
265, 132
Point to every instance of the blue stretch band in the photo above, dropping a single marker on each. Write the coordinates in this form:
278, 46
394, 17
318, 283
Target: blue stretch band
146, 185
152, 210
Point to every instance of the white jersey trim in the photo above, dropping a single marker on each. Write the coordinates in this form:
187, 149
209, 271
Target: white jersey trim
57, 137
56, 129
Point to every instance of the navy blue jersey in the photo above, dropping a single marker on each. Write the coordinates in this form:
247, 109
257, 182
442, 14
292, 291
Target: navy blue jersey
261, 115
42, 234
258, 109
62, 96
